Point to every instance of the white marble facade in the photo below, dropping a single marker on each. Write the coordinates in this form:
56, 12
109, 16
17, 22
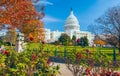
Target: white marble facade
71, 28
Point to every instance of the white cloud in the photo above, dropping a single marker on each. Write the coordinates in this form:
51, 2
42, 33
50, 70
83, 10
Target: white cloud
49, 19
43, 2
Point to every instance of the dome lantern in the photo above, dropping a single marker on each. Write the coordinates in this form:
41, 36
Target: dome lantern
71, 12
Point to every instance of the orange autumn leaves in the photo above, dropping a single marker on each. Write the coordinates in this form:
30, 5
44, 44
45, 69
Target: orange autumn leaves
21, 14
37, 33
17, 12
99, 41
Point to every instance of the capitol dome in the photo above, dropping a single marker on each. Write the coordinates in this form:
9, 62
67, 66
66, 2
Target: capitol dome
71, 23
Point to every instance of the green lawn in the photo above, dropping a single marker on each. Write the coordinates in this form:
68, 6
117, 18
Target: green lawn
61, 48
70, 49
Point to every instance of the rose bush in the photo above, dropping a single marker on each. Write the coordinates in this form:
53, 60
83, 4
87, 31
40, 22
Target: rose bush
92, 64
26, 63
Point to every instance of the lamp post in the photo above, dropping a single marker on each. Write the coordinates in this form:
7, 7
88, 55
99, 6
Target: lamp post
65, 52
56, 52
114, 55
114, 50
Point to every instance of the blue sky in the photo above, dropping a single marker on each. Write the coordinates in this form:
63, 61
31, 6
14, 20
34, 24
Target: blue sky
86, 11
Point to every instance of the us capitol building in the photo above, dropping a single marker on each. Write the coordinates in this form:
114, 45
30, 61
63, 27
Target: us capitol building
71, 28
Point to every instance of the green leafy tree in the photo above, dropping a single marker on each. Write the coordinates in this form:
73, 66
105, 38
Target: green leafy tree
81, 41
64, 39
74, 37
74, 40
84, 41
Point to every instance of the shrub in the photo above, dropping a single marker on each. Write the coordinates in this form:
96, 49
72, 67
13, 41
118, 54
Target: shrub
27, 63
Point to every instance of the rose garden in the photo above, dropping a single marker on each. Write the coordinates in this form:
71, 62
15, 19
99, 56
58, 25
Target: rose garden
23, 51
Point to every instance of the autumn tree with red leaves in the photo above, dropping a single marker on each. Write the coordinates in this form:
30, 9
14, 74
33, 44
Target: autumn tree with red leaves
22, 15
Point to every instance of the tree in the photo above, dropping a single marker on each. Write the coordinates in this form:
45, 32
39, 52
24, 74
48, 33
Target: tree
74, 40
37, 32
20, 14
85, 41
16, 13
11, 36
74, 37
109, 24
64, 39
100, 42
78, 41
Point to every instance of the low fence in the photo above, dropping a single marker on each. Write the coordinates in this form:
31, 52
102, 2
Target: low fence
66, 53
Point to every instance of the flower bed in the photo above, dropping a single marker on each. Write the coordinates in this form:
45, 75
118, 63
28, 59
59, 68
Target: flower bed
27, 63
92, 64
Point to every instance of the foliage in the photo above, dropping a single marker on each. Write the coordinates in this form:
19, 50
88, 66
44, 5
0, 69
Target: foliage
101, 42
91, 64
64, 39
27, 63
109, 24
103, 57
61, 48
74, 40
16, 13
11, 36
22, 15
78, 41
83, 41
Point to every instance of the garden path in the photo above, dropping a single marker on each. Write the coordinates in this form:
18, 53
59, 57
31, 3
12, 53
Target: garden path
63, 70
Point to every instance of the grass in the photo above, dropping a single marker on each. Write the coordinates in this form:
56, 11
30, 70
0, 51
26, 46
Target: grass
69, 48
61, 48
